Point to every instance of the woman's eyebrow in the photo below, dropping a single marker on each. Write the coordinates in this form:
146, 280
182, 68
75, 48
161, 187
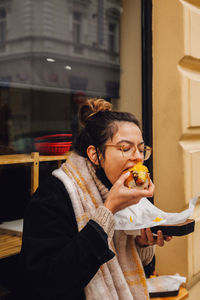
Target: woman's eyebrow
129, 142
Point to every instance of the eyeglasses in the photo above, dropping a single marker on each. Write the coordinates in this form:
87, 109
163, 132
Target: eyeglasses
128, 150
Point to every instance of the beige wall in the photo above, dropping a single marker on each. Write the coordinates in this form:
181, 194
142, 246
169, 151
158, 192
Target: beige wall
176, 126
168, 163
130, 58
176, 117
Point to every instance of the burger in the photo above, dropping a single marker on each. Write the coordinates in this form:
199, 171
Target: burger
139, 177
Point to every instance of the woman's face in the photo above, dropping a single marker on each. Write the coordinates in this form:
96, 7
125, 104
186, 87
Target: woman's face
116, 161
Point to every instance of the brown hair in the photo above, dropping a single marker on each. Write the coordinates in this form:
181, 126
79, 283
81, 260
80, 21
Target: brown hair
99, 124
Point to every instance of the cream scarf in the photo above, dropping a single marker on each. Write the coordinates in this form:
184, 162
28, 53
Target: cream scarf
121, 278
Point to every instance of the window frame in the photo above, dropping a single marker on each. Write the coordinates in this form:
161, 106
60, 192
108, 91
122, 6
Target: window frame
147, 72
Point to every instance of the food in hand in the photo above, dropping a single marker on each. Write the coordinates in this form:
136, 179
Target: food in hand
139, 177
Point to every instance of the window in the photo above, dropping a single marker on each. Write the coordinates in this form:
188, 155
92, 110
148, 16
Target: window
2, 26
77, 27
112, 37
113, 22
100, 23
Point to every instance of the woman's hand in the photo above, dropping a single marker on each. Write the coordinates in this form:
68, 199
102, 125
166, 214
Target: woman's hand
120, 196
148, 239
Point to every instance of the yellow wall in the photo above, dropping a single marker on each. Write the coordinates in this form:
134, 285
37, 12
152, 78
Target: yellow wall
176, 125
176, 116
168, 163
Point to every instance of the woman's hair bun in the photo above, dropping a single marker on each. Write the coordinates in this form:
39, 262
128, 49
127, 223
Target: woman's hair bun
91, 107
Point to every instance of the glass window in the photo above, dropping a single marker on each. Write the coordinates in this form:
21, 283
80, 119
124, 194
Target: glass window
55, 56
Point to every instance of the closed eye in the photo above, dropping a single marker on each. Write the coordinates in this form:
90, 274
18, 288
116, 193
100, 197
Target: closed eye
126, 148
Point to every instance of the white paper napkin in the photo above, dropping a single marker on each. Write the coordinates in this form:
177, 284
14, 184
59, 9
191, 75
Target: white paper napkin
144, 214
165, 283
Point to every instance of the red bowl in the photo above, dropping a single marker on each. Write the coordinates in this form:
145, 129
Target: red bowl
60, 137
53, 148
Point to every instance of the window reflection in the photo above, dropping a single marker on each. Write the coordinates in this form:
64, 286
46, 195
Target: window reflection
77, 27
2, 26
53, 55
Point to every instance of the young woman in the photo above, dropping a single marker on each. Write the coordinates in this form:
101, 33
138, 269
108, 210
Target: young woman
70, 249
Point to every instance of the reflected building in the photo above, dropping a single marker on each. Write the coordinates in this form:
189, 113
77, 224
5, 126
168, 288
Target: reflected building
54, 54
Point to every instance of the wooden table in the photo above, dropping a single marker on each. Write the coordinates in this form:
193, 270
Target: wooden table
183, 294
9, 245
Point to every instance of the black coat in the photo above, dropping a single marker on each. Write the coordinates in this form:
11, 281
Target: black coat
57, 261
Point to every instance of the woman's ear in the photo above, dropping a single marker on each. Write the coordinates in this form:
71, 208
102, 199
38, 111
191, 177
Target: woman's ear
92, 154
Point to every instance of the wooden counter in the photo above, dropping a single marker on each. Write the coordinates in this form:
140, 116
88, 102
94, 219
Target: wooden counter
29, 158
33, 159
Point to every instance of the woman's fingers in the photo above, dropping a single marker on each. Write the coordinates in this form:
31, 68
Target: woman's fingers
160, 238
122, 178
168, 238
141, 240
144, 239
150, 237
150, 191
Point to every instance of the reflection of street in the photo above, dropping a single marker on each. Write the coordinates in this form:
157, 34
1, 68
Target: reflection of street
76, 41
63, 50
77, 100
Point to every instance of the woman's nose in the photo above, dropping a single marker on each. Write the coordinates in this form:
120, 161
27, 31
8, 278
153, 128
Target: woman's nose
137, 155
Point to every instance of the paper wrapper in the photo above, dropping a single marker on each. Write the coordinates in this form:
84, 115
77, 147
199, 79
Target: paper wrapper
144, 215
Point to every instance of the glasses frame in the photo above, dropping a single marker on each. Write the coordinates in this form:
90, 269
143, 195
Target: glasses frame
146, 148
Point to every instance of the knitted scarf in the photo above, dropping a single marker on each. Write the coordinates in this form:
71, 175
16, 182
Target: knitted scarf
121, 278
